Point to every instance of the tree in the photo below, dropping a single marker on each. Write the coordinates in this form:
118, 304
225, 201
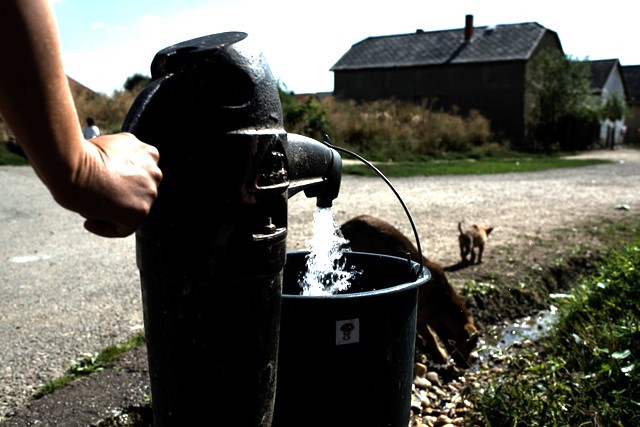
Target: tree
563, 110
136, 82
614, 107
306, 117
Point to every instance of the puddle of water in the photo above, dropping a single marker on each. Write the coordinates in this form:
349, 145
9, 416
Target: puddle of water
501, 337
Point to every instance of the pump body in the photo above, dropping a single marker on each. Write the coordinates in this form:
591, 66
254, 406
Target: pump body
212, 250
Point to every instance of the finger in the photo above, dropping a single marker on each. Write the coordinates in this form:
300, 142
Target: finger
156, 175
154, 153
107, 229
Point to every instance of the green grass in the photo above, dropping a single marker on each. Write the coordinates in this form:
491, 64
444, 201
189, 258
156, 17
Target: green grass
10, 159
90, 363
457, 166
469, 166
586, 372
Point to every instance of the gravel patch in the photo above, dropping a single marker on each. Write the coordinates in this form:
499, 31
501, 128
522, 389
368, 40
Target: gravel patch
65, 292
516, 204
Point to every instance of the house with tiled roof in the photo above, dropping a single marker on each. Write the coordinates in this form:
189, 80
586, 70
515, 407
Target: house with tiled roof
481, 68
631, 75
607, 80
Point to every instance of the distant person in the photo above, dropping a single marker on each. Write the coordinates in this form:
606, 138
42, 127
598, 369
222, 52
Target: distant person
90, 130
111, 180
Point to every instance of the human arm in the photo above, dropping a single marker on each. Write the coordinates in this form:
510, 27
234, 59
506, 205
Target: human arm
111, 180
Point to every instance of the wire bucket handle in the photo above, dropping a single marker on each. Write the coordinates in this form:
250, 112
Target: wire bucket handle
327, 141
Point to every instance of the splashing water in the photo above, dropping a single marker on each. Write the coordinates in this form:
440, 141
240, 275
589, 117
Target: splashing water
326, 273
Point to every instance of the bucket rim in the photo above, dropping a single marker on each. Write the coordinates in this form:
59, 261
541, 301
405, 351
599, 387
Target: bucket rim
422, 279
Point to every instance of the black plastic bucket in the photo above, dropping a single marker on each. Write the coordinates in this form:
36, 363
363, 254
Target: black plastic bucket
347, 359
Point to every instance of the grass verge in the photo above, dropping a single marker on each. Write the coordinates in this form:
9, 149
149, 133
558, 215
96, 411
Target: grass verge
454, 166
586, 371
90, 363
9, 158
469, 166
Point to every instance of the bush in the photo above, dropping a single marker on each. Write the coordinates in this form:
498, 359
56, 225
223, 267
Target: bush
389, 129
380, 130
307, 117
107, 111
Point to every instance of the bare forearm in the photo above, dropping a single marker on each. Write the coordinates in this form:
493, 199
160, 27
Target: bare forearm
110, 180
34, 94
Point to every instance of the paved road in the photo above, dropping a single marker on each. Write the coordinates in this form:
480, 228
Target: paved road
64, 292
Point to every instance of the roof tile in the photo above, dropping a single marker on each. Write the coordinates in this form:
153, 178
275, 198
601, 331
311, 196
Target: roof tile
499, 43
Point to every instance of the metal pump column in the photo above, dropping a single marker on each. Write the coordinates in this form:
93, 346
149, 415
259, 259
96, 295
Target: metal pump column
212, 251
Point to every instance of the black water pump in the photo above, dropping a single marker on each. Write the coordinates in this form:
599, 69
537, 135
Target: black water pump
211, 252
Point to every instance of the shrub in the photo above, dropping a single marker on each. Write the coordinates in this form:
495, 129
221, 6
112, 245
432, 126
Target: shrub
389, 129
381, 130
107, 111
306, 117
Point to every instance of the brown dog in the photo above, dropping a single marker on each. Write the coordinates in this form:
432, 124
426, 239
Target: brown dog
440, 308
471, 239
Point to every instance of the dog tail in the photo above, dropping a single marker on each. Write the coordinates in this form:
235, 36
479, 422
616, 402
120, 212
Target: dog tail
460, 227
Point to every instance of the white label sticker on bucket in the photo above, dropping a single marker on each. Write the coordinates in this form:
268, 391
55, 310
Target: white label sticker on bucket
347, 331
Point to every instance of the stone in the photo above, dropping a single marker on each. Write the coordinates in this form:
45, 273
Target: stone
439, 392
443, 421
426, 403
419, 370
421, 382
429, 420
416, 405
433, 377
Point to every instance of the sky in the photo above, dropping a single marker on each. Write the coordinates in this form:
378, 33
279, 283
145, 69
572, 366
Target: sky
104, 42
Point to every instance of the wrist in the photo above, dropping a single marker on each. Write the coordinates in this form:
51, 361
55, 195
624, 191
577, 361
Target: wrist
64, 176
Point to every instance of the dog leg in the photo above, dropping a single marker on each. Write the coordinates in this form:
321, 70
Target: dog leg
432, 347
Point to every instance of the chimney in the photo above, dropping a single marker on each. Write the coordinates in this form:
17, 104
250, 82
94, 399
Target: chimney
468, 27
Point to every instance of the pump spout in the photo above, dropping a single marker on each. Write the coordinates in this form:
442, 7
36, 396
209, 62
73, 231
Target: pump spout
313, 167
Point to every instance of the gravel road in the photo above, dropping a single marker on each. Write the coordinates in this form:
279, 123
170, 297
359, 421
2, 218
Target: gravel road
515, 203
65, 292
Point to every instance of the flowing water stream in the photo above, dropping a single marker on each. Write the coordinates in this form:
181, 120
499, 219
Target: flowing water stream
326, 271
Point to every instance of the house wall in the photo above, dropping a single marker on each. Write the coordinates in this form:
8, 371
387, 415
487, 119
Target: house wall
494, 89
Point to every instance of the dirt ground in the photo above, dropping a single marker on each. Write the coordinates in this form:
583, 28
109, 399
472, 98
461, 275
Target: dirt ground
519, 278
548, 235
